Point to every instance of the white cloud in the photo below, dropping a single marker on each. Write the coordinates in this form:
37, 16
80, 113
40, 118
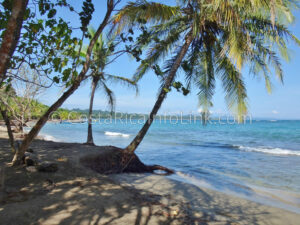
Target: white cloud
275, 112
200, 110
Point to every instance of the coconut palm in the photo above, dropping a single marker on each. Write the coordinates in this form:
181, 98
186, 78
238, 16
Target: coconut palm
210, 39
101, 55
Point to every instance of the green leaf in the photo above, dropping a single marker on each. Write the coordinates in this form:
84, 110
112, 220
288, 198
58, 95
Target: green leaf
166, 90
52, 13
66, 74
56, 79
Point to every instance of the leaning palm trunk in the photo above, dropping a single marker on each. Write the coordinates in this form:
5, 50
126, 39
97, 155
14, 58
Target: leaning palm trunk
90, 140
169, 80
11, 35
17, 159
9, 131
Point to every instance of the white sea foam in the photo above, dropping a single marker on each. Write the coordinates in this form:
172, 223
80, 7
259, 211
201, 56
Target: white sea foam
108, 133
47, 137
274, 151
277, 198
193, 180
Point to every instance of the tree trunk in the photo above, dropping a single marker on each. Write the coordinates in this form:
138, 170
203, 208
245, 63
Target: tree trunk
21, 126
9, 131
2, 183
41, 122
168, 82
11, 35
90, 140
111, 160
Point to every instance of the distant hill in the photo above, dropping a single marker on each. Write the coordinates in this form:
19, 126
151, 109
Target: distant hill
37, 109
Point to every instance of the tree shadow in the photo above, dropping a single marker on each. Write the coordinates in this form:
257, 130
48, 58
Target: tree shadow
77, 195
208, 206
74, 195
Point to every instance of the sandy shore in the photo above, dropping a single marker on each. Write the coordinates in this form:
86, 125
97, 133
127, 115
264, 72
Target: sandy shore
77, 195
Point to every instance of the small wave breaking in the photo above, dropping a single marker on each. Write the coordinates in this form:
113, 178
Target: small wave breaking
47, 137
188, 178
274, 151
108, 133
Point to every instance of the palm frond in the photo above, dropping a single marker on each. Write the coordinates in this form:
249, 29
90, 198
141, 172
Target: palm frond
111, 100
233, 85
158, 51
190, 64
139, 11
205, 79
123, 81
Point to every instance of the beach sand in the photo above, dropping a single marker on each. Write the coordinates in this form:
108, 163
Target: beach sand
77, 195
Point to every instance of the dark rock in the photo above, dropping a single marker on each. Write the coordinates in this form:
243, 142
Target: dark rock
47, 167
30, 159
29, 150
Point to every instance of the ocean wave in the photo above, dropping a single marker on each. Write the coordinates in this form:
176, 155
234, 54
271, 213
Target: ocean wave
274, 151
196, 144
188, 178
108, 133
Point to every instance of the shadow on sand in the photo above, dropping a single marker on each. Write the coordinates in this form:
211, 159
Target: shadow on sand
77, 195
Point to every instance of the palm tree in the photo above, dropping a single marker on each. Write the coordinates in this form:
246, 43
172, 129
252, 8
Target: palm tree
101, 54
209, 40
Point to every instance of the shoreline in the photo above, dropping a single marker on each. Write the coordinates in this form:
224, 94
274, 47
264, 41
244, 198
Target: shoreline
258, 194
263, 195
140, 196
211, 203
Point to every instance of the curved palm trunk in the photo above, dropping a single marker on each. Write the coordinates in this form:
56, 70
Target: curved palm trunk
9, 131
170, 78
11, 35
41, 122
90, 140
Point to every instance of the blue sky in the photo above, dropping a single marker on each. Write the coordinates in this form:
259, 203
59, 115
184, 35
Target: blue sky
283, 103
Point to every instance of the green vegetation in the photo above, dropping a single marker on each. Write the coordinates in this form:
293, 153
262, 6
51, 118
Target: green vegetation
37, 109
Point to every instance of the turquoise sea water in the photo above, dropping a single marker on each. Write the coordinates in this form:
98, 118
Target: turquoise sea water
261, 158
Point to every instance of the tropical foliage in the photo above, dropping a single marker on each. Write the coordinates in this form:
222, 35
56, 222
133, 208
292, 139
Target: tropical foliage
70, 76
224, 41
35, 109
210, 40
102, 56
